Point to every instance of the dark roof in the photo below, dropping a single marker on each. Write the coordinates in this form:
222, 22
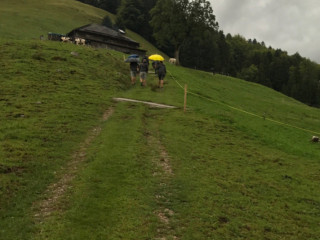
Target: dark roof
102, 30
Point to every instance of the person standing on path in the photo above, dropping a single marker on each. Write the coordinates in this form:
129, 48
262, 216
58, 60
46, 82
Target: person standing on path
161, 69
144, 68
146, 58
133, 72
155, 66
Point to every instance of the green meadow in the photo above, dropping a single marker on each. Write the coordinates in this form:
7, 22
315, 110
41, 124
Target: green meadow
238, 164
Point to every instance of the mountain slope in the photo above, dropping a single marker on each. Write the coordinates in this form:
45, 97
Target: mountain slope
238, 164
232, 173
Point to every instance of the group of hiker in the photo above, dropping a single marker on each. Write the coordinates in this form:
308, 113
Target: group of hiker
143, 68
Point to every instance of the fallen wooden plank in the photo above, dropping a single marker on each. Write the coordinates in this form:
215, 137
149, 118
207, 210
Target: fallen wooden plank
158, 105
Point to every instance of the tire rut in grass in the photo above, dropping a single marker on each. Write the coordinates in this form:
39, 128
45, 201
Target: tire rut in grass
55, 192
164, 172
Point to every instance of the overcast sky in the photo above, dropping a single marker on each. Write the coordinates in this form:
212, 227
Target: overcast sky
291, 25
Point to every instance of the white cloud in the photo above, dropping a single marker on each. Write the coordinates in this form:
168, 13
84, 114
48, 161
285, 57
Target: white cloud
291, 25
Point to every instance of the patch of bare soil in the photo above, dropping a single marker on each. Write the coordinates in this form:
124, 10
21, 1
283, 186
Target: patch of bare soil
55, 192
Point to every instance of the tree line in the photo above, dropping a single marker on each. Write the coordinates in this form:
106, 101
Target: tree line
188, 31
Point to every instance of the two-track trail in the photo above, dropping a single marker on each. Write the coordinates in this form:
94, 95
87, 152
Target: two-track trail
54, 199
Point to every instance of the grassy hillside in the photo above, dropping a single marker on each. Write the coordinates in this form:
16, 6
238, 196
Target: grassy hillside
238, 164
49, 100
235, 175
26, 20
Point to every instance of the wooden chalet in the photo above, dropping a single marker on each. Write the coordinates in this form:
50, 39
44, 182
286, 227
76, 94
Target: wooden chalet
103, 37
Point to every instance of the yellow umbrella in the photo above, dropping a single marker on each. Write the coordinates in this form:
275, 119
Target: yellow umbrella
156, 57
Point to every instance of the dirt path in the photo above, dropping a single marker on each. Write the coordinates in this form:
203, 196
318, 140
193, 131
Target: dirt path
55, 192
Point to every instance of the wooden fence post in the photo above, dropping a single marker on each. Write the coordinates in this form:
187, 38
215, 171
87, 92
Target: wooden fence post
185, 97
